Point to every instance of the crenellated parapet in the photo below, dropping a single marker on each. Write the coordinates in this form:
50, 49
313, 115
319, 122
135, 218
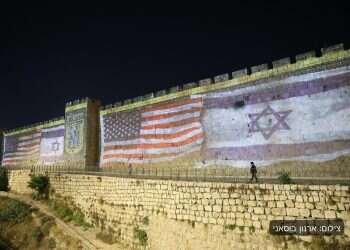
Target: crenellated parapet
240, 77
36, 126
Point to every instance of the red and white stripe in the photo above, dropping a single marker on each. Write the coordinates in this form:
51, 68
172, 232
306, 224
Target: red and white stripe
167, 131
28, 148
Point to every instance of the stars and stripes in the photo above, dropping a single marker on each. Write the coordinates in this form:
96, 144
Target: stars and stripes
21, 148
152, 134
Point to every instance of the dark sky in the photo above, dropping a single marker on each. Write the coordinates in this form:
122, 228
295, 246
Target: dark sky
50, 55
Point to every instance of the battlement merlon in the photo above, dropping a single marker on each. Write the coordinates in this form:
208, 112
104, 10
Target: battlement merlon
279, 67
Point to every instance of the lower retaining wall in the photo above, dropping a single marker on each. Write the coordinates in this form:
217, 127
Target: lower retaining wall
198, 215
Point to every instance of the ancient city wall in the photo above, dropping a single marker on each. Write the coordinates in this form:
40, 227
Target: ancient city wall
290, 115
198, 215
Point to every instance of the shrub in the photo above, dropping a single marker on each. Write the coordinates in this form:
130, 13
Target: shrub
67, 214
52, 243
41, 185
105, 237
141, 235
14, 211
145, 221
284, 178
3, 180
37, 234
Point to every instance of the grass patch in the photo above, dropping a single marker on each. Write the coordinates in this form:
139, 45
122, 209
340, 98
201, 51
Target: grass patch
105, 237
231, 189
141, 236
67, 214
284, 177
231, 227
37, 234
15, 211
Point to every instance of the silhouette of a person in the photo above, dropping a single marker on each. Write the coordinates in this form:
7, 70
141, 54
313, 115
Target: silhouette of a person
253, 172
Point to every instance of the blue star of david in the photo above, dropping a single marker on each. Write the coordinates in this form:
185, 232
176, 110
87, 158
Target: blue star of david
55, 146
267, 132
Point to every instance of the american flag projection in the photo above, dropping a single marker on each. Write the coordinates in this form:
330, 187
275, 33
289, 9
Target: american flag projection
21, 148
160, 132
40, 146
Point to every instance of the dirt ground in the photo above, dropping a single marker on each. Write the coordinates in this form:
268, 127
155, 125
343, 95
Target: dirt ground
41, 229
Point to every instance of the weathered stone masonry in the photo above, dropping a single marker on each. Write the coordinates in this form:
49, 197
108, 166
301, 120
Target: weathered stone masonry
197, 215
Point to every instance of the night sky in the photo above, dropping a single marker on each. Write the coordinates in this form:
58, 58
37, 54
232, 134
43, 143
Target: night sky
50, 55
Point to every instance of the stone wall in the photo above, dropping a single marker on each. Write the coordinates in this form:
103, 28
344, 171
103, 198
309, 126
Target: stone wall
18, 181
198, 215
296, 113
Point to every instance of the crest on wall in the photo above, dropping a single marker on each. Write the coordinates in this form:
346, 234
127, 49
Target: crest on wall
75, 123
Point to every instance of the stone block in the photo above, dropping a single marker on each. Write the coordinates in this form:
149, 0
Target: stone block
299, 205
330, 214
289, 203
258, 68
309, 205
239, 73
304, 212
205, 82
247, 215
240, 208
333, 48
240, 222
222, 77
257, 224
278, 211
268, 197
304, 56
299, 198
255, 217
251, 203
271, 204
317, 214
208, 208
212, 220
259, 210
190, 85
280, 203
320, 205
174, 89
217, 208
280, 63
292, 212
148, 96
341, 206
160, 93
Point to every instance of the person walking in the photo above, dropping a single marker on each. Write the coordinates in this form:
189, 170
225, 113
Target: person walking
253, 172
130, 168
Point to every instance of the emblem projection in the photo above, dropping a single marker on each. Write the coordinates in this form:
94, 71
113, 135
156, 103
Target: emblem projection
74, 132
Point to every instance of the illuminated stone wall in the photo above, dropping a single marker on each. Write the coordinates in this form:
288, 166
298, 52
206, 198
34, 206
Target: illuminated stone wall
292, 116
292, 113
68, 142
199, 215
